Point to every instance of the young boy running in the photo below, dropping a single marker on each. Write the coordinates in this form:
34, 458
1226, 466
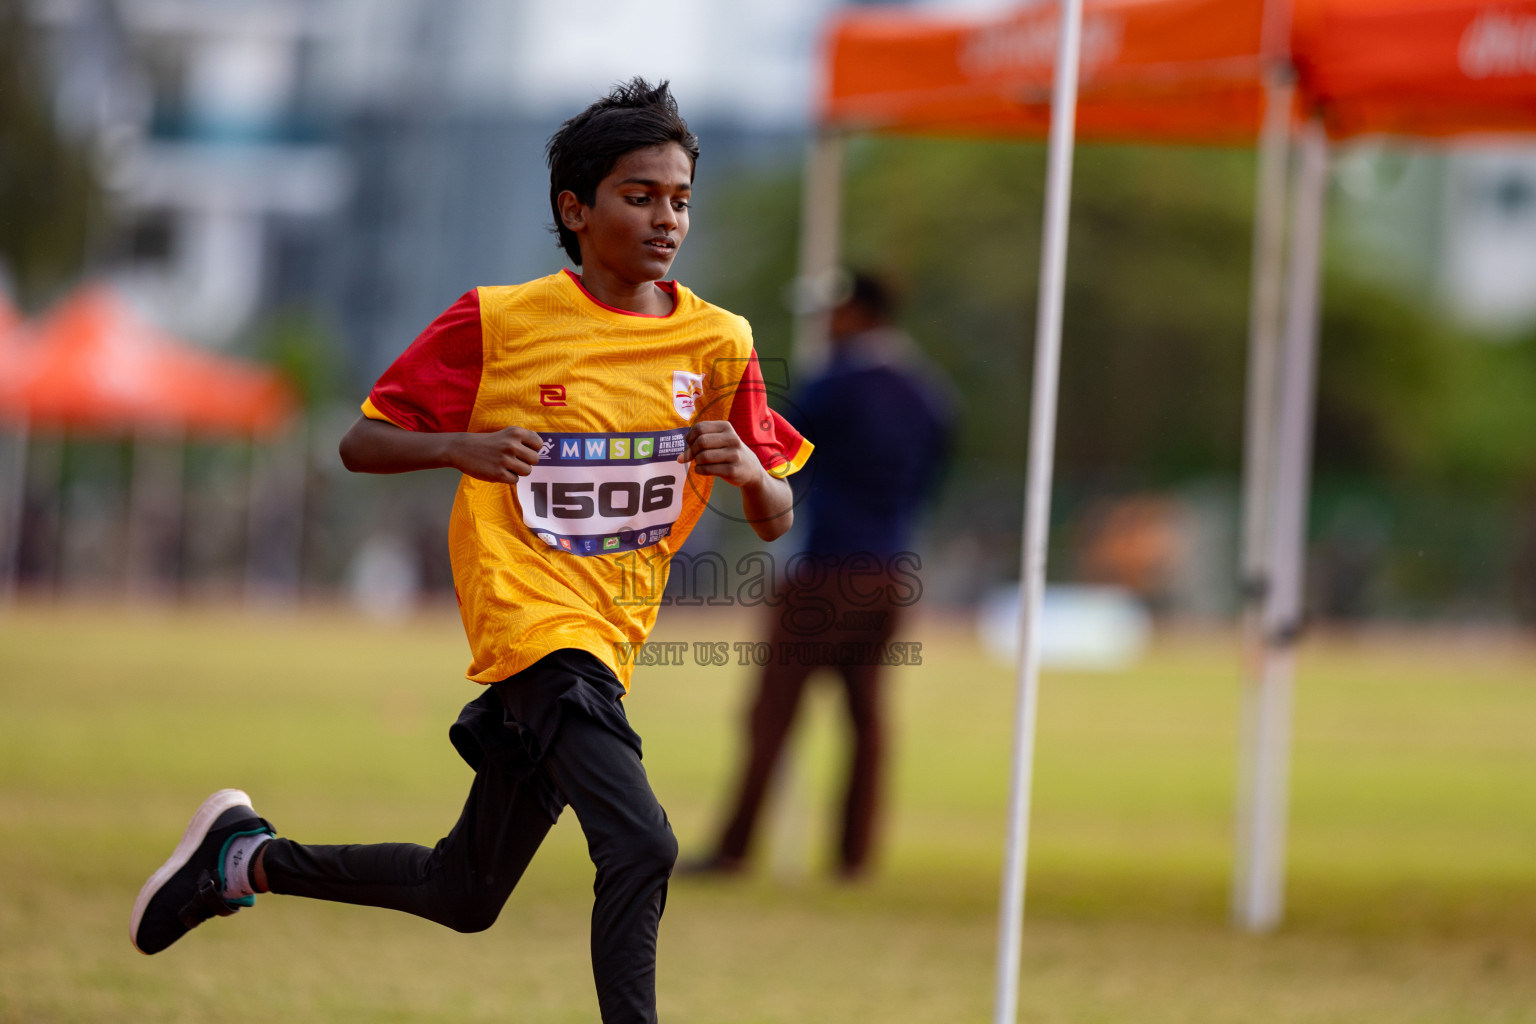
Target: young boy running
590, 415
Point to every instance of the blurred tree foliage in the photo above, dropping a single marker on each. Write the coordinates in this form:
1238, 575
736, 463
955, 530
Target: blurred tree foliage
298, 342
1153, 369
48, 191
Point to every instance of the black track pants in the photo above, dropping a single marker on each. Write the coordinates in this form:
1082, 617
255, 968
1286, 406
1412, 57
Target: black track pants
465, 879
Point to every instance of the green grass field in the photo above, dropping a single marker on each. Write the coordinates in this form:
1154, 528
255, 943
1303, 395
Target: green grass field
1412, 882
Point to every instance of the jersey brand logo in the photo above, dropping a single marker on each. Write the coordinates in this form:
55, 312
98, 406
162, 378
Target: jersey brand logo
687, 391
551, 394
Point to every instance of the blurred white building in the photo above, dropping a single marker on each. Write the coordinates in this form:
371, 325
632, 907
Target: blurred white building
195, 110
1489, 271
1456, 226
377, 157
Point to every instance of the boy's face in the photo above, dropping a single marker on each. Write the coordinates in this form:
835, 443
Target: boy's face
639, 217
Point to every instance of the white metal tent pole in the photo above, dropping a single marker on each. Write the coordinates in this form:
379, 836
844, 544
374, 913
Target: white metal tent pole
138, 568
1258, 453
1037, 502
154, 510
1264, 332
821, 219
14, 513
255, 478
1261, 900
275, 568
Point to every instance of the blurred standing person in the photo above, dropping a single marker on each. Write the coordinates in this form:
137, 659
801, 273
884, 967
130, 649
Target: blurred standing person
886, 423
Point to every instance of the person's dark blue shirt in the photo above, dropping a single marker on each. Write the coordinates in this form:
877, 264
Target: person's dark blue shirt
882, 424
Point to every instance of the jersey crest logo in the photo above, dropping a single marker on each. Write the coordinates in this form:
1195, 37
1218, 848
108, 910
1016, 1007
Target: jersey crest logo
687, 392
551, 394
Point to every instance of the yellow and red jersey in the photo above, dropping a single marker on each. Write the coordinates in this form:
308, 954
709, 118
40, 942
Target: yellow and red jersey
576, 554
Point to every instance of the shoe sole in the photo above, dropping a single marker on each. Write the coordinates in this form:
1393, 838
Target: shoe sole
197, 831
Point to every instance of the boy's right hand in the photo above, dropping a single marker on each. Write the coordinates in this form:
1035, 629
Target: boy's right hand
499, 457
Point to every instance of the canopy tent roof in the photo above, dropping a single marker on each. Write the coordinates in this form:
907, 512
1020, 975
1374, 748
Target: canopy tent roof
1191, 70
1418, 67
1168, 69
94, 365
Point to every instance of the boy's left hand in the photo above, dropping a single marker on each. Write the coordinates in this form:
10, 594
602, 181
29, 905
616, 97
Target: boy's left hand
715, 449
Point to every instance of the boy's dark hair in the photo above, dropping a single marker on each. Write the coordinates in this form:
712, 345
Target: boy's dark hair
583, 152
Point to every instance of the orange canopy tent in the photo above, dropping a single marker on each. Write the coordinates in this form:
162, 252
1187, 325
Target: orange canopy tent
1190, 70
1417, 67
1186, 69
1212, 71
94, 365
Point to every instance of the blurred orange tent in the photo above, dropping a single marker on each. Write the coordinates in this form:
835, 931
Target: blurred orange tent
1190, 70
94, 365
1417, 67
1167, 69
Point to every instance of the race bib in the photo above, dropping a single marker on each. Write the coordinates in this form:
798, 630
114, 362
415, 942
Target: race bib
596, 494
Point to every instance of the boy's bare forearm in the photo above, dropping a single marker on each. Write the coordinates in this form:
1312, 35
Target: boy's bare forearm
769, 506
373, 446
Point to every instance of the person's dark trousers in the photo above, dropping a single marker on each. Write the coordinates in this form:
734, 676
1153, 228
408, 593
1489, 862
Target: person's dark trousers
516, 796
809, 616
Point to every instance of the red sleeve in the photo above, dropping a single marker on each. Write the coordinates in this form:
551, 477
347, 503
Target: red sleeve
432, 386
778, 446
